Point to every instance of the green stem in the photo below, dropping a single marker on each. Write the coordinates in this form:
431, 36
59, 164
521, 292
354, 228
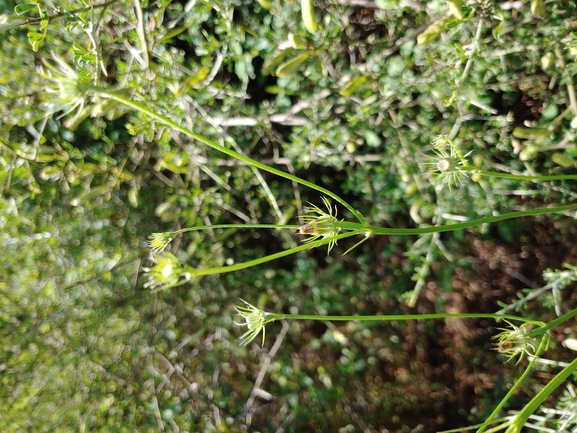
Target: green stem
221, 270
99, 91
450, 227
236, 226
538, 400
356, 229
396, 317
523, 176
552, 324
515, 386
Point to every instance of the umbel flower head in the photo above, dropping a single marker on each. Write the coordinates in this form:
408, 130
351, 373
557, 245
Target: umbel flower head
66, 90
514, 342
319, 223
255, 321
159, 241
166, 272
448, 167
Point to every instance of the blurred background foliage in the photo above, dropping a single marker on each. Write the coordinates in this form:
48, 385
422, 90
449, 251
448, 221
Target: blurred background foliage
353, 107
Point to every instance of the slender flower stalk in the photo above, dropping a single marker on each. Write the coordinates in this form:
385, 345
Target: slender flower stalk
335, 231
142, 107
451, 167
257, 319
159, 241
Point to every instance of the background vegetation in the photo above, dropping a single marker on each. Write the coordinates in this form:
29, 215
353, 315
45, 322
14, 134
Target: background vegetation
353, 107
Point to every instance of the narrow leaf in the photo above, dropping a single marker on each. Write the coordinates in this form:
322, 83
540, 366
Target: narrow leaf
291, 66
308, 14
538, 9
434, 30
24, 7
353, 85
534, 133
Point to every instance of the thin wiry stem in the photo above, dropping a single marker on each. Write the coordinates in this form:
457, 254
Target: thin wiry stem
99, 91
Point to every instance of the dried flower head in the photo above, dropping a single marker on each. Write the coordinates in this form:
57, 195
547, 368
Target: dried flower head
320, 224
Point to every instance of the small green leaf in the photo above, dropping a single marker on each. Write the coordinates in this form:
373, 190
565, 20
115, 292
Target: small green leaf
35, 36
353, 85
456, 8
264, 3
308, 14
35, 39
434, 30
538, 9
44, 24
562, 160
24, 7
291, 66
270, 65
50, 172
497, 30
372, 139
531, 133
194, 80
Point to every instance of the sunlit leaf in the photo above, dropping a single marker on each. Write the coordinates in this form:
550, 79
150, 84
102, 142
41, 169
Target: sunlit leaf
292, 66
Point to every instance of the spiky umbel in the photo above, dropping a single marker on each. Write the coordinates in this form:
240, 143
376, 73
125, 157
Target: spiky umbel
255, 321
514, 342
66, 90
319, 223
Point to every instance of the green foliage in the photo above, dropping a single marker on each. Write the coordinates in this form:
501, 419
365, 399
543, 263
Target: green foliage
352, 106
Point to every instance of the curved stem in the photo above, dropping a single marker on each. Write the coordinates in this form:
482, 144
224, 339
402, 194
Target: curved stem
172, 124
221, 270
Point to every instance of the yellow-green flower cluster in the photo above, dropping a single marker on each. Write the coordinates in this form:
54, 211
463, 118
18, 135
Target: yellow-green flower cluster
166, 272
